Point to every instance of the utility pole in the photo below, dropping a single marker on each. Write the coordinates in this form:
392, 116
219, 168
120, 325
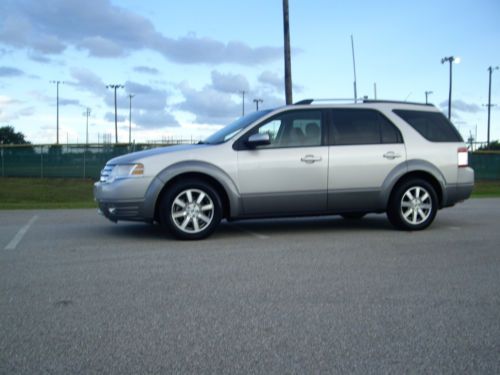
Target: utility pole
490, 70
257, 101
288, 63
115, 87
130, 96
354, 68
57, 83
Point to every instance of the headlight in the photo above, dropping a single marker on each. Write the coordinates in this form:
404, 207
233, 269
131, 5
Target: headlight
111, 173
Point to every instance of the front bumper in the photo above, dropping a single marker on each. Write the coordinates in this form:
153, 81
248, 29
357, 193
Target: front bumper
126, 211
122, 200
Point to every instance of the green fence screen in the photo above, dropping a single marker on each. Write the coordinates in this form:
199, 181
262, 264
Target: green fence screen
86, 161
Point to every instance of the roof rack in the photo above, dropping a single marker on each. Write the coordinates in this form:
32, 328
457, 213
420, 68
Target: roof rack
310, 101
396, 102
360, 100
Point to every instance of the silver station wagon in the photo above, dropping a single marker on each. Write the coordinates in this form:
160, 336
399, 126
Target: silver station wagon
310, 158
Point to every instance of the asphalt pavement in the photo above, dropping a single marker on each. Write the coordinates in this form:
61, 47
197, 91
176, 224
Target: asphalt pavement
81, 295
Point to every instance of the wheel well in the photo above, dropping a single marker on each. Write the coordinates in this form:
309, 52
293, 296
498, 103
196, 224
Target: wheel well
200, 176
426, 177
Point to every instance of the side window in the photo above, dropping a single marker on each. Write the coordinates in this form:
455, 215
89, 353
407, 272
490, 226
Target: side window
293, 129
433, 126
362, 127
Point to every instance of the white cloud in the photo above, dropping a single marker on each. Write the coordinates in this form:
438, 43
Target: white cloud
107, 30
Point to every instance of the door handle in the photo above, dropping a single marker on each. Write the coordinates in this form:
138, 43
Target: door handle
391, 155
309, 159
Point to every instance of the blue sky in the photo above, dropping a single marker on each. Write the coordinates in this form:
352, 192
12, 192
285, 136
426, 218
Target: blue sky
186, 62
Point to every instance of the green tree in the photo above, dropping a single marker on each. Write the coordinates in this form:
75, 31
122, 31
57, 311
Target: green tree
8, 136
495, 146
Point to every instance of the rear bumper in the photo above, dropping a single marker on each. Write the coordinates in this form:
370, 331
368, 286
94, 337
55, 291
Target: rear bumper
462, 190
457, 194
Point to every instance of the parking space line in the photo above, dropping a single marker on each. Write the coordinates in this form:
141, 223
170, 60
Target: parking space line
19, 235
254, 234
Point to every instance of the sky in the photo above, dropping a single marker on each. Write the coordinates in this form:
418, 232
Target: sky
187, 62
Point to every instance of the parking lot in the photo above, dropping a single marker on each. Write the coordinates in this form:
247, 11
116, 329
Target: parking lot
79, 294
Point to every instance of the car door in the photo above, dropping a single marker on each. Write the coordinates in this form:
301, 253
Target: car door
365, 148
288, 175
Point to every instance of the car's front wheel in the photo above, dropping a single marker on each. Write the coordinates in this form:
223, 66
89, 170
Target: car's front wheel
413, 205
191, 209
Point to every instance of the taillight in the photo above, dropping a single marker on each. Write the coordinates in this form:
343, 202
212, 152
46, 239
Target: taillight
463, 157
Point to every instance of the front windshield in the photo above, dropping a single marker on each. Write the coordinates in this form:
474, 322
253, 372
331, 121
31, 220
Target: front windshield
229, 131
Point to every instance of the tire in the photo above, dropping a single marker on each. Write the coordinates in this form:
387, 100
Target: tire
353, 215
413, 205
191, 209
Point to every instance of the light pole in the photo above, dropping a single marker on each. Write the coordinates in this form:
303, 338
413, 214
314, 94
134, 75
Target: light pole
57, 83
115, 87
130, 96
87, 113
427, 93
257, 101
450, 59
243, 102
490, 69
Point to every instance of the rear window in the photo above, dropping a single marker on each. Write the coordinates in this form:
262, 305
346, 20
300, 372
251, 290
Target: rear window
362, 127
433, 126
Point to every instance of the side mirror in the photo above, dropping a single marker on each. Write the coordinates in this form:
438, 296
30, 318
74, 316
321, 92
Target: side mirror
258, 139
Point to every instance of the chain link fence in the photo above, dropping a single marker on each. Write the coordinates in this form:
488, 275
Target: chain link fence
75, 161
86, 161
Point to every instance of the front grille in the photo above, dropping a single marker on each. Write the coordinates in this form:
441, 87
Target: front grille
106, 172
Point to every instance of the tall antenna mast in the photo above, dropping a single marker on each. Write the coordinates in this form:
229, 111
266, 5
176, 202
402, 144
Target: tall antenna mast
354, 67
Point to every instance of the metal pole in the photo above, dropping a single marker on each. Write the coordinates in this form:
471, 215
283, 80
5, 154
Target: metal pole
57, 117
490, 69
115, 87
243, 102
116, 120
451, 83
130, 119
427, 93
450, 59
288, 63
354, 67
3, 166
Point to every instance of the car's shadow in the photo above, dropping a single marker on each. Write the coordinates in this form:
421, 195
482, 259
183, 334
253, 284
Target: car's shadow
263, 228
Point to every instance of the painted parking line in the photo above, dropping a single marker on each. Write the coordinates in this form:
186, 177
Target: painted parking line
19, 235
254, 234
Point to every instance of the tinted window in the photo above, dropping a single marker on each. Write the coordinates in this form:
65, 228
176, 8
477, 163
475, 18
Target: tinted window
292, 129
362, 127
433, 126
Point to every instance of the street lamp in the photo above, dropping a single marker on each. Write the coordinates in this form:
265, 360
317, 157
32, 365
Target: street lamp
115, 87
450, 59
257, 101
427, 93
130, 96
57, 83
490, 69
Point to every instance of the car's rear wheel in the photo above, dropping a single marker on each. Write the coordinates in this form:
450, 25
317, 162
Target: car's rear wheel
413, 205
191, 209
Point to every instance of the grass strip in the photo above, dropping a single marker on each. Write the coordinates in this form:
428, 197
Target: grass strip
49, 193
34, 193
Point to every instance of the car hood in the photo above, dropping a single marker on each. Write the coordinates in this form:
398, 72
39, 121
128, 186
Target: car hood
140, 155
